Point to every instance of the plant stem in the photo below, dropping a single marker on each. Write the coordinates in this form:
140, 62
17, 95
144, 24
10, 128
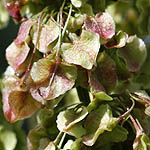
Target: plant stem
138, 129
58, 44
61, 141
58, 138
127, 112
23, 80
66, 24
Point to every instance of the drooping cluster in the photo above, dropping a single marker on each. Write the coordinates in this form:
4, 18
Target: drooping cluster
59, 51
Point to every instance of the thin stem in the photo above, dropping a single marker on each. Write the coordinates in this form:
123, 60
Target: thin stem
61, 141
56, 22
139, 124
136, 124
67, 21
59, 19
60, 35
128, 111
138, 129
67, 107
53, 75
34, 50
58, 45
58, 138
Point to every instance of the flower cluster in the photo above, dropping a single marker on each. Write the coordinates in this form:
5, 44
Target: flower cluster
84, 75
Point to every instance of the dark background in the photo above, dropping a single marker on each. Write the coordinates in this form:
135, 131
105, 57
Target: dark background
7, 35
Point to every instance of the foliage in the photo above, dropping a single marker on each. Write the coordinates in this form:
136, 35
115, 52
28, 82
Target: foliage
83, 66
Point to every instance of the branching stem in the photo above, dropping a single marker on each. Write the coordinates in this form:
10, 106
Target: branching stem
58, 138
127, 112
23, 80
62, 140
67, 21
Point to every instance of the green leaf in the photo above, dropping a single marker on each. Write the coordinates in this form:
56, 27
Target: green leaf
48, 33
142, 143
68, 145
102, 24
134, 53
31, 9
37, 137
67, 119
77, 130
147, 111
98, 5
118, 41
71, 98
23, 34
102, 96
4, 17
97, 122
42, 70
82, 52
75, 22
6, 136
118, 134
145, 142
22, 105
142, 118
17, 102
144, 79
141, 96
98, 98
77, 3
45, 117
64, 80
122, 70
17, 55
82, 78
95, 85
78, 145
87, 9
106, 71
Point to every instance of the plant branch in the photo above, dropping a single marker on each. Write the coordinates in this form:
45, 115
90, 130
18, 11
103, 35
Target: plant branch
58, 138
62, 140
127, 112
23, 80
67, 21
59, 19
